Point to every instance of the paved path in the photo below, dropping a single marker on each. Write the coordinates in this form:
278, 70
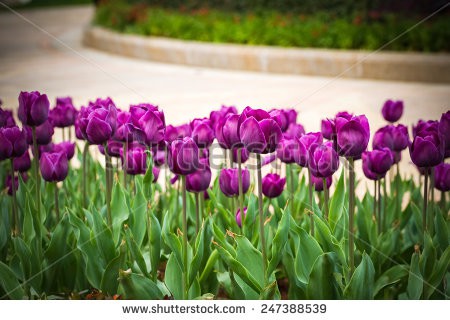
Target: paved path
49, 57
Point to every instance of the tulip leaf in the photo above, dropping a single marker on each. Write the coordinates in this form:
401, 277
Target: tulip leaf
415, 279
441, 230
269, 291
278, 243
322, 283
10, 283
307, 253
119, 210
199, 248
337, 203
154, 236
148, 180
24, 254
174, 277
110, 278
327, 240
390, 276
220, 238
361, 284
427, 258
250, 258
138, 214
138, 287
172, 241
102, 237
135, 252
213, 257
438, 274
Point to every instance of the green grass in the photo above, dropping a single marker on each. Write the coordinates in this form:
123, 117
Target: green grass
319, 30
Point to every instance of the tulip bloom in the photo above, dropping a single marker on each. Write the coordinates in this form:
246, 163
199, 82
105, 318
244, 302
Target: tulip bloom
377, 162
258, 131
114, 148
44, 133
444, 131
179, 132
13, 142
307, 141
64, 113
442, 177
155, 172
150, 119
224, 111
392, 110
183, 156
33, 108
273, 185
199, 180
288, 149
98, 123
230, 132
67, 147
294, 130
239, 216
352, 136
427, 150
22, 163
6, 118
244, 155
318, 183
136, 160
9, 183
202, 132
228, 181
323, 160
54, 166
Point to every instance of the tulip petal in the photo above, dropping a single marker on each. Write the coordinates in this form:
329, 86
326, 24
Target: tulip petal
252, 136
98, 131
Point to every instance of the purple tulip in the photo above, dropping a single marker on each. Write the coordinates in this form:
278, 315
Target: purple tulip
288, 150
392, 110
377, 162
323, 160
318, 183
67, 147
424, 127
239, 216
268, 159
63, 114
215, 116
98, 122
159, 156
106, 103
6, 118
352, 136
328, 129
280, 117
83, 113
150, 119
44, 133
13, 142
307, 141
54, 166
202, 132
155, 171
230, 132
115, 148
136, 160
229, 181
426, 150
183, 156
397, 156
22, 163
294, 130
273, 185
8, 182
393, 137
258, 131
442, 177
199, 180
444, 131
33, 108
179, 132
244, 155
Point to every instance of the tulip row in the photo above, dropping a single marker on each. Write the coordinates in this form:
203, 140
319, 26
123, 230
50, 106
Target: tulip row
126, 217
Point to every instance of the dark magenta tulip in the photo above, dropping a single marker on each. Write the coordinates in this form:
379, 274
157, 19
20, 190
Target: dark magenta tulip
239, 216
393, 137
288, 150
83, 113
106, 103
67, 147
258, 131
159, 156
318, 183
230, 132
155, 171
427, 149
44, 133
199, 180
352, 136
244, 155
98, 123
13, 142
268, 159
328, 126
177, 132
294, 130
273, 185
33, 108
444, 131
6, 118
136, 160
202, 132
377, 162
183, 156
9, 185
284, 117
127, 131
22, 163
115, 148
229, 181
63, 114
424, 127
442, 177
54, 166
151, 120
216, 115
307, 141
323, 160
392, 110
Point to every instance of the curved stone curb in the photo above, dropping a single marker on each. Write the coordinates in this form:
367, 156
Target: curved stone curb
330, 63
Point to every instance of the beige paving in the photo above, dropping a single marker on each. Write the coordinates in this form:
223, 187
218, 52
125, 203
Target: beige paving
48, 56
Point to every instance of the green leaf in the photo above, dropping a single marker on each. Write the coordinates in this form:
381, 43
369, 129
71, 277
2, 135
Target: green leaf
250, 258
337, 203
10, 283
438, 274
268, 292
322, 284
138, 287
119, 210
361, 284
174, 277
307, 253
110, 278
102, 236
213, 257
390, 276
415, 280
138, 215
441, 229
154, 230
278, 243
327, 240
172, 241
148, 180
428, 257
194, 267
136, 253
24, 254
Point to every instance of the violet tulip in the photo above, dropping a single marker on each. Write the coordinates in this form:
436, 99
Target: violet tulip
323, 161
444, 131
67, 147
216, 115
9, 184
177, 132
199, 180
239, 216
63, 114
426, 150
352, 136
155, 172
23, 162
307, 141
150, 119
442, 177
114, 148
183, 156
244, 155
6, 118
13, 142
54, 166
294, 130
136, 160
318, 183
377, 162
392, 110
33, 108
228, 181
98, 123
288, 150
230, 132
202, 132
273, 185
44, 133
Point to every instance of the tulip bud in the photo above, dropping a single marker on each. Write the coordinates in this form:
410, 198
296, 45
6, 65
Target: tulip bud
6, 118
318, 183
239, 216
13, 142
426, 150
273, 185
377, 162
202, 133
352, 136
323, 160
136, 160
183, 156
288, 150
392, 110
442, 177
229, 181
150, 119
54, 166
9, 182
22, 163
33, 108
199, 180
63, 114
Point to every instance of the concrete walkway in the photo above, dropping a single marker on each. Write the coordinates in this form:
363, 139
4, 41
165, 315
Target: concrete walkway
48, 56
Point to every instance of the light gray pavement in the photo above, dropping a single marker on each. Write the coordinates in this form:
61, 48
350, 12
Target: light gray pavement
48, 56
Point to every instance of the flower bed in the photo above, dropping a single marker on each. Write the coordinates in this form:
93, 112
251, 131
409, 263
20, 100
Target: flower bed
73, 226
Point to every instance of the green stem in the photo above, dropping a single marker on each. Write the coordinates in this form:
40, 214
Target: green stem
351, 213
375, 203
431, 225
63, 134
292, 188
70, 133
84, 177
241, 189
36, 173
326, 197
154, 273
125, 162
385, 200
185, 242
56, 203
197, 212
15, 222
380, 219
425, 202
311, 217
108, 185
261, 217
